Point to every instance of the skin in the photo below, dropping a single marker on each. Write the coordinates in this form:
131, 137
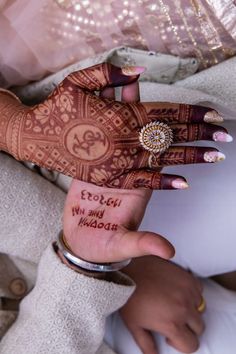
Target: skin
165, 301
95, 244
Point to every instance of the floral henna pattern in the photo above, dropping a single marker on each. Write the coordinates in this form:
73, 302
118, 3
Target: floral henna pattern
96, 139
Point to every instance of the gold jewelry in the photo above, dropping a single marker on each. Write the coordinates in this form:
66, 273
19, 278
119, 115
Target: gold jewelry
202, 305
156, 137
153, 161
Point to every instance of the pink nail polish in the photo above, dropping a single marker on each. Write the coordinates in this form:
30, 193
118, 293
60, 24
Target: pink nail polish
213, 117
214, 156
179, 183
133, 70
222, 137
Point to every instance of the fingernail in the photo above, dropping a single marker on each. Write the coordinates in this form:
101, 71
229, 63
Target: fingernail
133, 70
213, 117
178, 183
213, 156
223, 137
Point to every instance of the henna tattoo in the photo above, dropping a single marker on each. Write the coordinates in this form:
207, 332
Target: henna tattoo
112, 202
94, 223
88, 140
87, 137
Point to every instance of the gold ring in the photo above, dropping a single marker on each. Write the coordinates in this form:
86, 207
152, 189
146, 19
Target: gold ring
156, 137
202, 305
153, 162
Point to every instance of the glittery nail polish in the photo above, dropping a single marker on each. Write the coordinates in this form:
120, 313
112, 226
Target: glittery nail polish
214, 156
179, 183
213, 117
133, 70
222, 137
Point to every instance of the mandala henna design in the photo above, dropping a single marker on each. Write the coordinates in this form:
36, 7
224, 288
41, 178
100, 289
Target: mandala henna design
96, 139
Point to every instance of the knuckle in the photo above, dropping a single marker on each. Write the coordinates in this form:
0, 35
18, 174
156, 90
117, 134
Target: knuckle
193, 347
143, 240
199, 285
182, 305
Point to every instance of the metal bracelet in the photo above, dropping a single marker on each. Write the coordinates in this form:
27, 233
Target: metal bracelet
90, 266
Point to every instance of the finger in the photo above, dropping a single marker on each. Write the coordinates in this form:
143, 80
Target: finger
198, 286
183, 339
175, 155
182, 155
196, 323
108, 92
180, 113
102, 75
198, 290
152, 180
192, 132
144, 340
142, 243
130, 93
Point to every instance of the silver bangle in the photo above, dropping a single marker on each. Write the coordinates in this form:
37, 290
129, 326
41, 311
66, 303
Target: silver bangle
90, 266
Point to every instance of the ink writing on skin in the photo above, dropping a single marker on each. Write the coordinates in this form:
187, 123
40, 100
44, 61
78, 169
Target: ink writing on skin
112, 202
96, 224
76, 210
96, 213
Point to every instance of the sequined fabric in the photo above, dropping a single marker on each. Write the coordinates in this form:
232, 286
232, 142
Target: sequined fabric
186, 28
51, 34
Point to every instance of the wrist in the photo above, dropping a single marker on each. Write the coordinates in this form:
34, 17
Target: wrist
70, 265
11, 117
73, 259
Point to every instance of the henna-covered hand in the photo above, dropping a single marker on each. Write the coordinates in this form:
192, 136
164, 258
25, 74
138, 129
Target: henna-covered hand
100, 224
96, 139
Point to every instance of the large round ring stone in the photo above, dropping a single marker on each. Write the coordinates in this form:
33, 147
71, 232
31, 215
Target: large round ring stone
156, 137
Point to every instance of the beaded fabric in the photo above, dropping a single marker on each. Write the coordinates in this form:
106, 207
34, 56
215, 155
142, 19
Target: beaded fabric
65, 31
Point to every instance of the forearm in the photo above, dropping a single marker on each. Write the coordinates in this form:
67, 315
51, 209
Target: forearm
65, 312
10, 117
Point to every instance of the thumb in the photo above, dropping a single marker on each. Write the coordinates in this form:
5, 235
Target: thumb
142, 243
104, 75
144, 340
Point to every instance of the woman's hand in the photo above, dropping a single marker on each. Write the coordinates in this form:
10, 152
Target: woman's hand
165, 301
100, 224
96, 139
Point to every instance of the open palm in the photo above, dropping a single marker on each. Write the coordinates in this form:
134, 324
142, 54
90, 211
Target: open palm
100, 224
